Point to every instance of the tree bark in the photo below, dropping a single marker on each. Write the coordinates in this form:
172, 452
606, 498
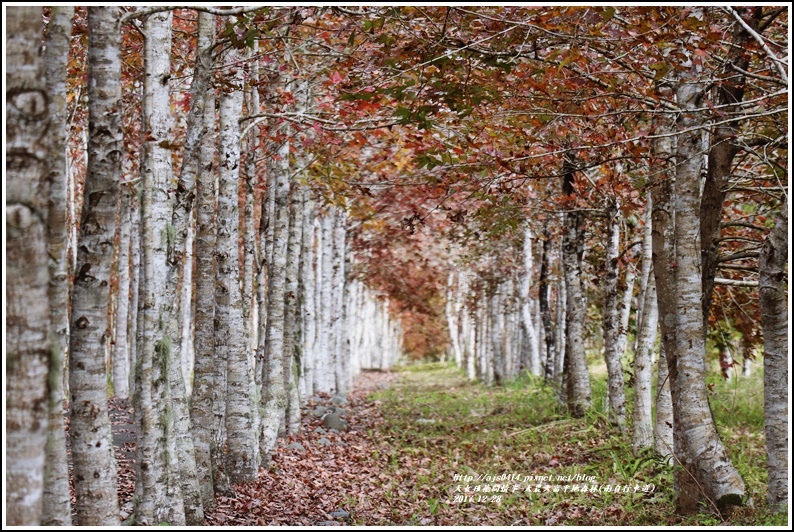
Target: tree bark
612, 355
90, 434
121, 357
774, 320
545, 312
230, 328
526, 314
307, 289
276, 398
577, 377
158, 488
642, 437
663, 441
292, 346
207, 406
28, 340
57, 509
706, 472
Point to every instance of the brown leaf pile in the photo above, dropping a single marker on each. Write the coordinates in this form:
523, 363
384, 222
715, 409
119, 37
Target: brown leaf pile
305, 487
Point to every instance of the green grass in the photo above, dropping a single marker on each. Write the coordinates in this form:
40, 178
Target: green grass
438, 425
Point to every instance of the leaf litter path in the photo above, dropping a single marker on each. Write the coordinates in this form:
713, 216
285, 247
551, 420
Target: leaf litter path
330, 479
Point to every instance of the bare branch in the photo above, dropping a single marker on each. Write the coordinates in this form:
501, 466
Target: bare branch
782, 66
145, 12
735, 282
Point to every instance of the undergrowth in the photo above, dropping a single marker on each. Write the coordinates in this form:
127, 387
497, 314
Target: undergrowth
443, 433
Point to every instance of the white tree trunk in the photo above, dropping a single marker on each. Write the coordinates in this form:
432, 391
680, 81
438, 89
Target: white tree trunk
273, 349
208, 405
292, 347
339, 329
642, 437
57, 510
28, 340
158, 489
663, 425
230, 328
774, 320
616, 396
308, 291
578, 377
92, 445
526, 312
121, 357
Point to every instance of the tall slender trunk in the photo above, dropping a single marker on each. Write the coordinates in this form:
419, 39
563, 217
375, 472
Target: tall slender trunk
774, 320
28, 340
276, 399
307, 290
92, 445
526, 313
179, 277
251, 178
325, 322
577, 378
230, 328
158, 489
292, 346
57, 510
642, 437
135, 278
612, 356
663, 441
706, 473
560, 314
545, 312
339, 274
207, 406
121, 357
663, 246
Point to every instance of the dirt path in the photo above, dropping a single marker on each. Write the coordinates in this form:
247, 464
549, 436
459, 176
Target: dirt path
317, 477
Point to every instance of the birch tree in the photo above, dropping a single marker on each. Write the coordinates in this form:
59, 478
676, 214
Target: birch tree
774, 319
612, 354
706, 472
273, 348
91, 441
158, 487
28, 340
577, 376
207, 406
230, 329
57, 510
642, 437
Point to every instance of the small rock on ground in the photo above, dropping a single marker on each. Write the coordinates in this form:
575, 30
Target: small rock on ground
324, 441
344, 514
296, 445
339, 400
333, 421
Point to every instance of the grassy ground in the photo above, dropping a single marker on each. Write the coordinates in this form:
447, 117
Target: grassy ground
438, 425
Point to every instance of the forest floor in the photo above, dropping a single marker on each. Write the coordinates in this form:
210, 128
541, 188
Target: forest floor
427, 447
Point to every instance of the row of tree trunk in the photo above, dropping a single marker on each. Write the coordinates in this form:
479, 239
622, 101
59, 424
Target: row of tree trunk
275, 320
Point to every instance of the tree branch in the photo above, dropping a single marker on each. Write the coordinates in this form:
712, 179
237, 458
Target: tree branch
782, 66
